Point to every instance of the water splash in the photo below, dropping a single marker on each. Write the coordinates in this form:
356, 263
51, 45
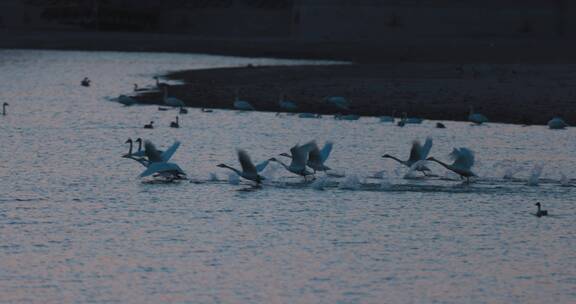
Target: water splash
509, 173
213, 177
533, 180
320, 183
233, 178
352, 182
564, 180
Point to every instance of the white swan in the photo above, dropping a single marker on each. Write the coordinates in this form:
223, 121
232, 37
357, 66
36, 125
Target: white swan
160, 85
476, 118
126, 100
137, 89
287, 104
249, 171
417, 153
242, 104
140, 155
85, 82
316, 157
299, 156
540, 212
4, 108
149, 126
309, 115
158, 162
557, 123
463, 162
172, 101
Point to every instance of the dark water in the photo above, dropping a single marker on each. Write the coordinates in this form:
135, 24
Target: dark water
77, 225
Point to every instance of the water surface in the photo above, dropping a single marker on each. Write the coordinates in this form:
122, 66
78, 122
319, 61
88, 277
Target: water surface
77, 225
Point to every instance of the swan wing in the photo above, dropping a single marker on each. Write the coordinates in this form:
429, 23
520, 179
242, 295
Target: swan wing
151, 152
463, 158
161, 167
246, 163
166, 155
415, 152
314, 155
426, 148
261, 166
300, 156
325, 152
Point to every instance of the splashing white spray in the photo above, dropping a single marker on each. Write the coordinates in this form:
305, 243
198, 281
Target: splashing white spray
533, 180
350, 183
233, 178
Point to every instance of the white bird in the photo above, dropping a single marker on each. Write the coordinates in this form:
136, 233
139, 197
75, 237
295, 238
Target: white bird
287, 104
137, 89
540, 212
338, 101
4, 108
172, 101
316, 157
463, 162
242, 104
175, 124
249, 171
85, 82
158, 162
299, 156
140, 155
557, 123
417, 153
126, 100
309, 115
476, 118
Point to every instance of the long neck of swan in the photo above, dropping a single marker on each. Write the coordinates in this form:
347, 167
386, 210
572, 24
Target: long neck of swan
4, 109
442, 163
130, 150
233, 169
538, 207
139, 145
396, 159
283, 164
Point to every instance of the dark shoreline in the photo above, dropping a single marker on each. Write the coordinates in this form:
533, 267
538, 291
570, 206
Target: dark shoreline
519, 94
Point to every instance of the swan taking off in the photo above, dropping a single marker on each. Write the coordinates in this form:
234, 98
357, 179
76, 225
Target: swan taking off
417, 153
4, 105
299, 156
242, 105
249, 171
316, 157
476, 118
158, 162
463, 162
172, 101
557, 123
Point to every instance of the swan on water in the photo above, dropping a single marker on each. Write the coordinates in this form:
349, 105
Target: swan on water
249, 171
417, 153
137, 89
557, 123
205, 110
463, 163
299, 156
183, 110
540, 212
126, 100
149, 126
476, 118
347, 117
172, 101
175, 124
4, 105
309, 115
241, 104
387, 118
316, 157
85, 82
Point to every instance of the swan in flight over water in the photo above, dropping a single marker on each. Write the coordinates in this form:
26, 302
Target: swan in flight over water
557, 123
4, 105
540, 212
463, 162
249, 171
242, 105
476, 118
139, 153
299, 156
316, 157
158, 162
172, 101
417, 153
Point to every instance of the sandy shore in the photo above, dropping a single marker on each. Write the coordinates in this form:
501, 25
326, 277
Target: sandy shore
522, 94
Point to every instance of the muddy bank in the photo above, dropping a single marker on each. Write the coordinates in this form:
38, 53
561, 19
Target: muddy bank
522, 94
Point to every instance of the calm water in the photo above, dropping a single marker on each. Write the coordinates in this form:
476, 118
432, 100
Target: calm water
77, 225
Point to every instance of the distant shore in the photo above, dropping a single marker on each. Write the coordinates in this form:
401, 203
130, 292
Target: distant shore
520, 94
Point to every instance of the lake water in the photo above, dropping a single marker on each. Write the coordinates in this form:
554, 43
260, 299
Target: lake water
77, 225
